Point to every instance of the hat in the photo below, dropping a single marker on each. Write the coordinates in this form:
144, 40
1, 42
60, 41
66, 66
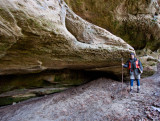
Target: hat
131, 53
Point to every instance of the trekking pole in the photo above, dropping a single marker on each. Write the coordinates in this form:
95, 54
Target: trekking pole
122, 76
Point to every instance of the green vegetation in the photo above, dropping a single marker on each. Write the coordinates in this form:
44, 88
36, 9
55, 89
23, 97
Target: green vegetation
9, 100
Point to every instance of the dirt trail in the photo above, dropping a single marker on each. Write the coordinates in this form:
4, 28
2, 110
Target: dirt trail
100, 99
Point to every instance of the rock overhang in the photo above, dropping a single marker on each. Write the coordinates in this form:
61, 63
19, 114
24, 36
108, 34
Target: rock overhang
51, 36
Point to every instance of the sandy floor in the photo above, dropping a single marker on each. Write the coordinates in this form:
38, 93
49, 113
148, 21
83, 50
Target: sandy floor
101, 99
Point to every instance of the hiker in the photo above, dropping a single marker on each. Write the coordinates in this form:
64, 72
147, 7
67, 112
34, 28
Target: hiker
135, 69
155, 17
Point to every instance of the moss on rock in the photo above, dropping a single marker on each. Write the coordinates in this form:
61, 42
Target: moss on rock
104, 12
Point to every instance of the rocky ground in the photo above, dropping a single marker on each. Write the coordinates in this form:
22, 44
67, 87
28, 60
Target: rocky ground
101, 99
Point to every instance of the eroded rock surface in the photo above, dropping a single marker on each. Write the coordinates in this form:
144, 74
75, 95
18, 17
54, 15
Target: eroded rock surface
132, 20
39, 35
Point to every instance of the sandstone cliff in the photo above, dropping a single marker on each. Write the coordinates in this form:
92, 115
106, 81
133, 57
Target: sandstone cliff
132, 20
40, 35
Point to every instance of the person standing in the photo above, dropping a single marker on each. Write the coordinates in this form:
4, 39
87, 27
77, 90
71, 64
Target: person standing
155, 17
135, 70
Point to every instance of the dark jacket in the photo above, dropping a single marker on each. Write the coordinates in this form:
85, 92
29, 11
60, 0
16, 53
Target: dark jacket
133, 66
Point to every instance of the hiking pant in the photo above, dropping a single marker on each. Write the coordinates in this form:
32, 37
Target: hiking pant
132, 80
134, 76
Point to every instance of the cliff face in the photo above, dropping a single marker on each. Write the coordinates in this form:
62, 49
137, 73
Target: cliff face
40, 35
132, 20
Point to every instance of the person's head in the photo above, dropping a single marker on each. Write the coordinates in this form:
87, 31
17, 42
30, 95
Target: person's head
132, 55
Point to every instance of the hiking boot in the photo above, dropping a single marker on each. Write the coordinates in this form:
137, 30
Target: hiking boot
138, 90
131, 90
